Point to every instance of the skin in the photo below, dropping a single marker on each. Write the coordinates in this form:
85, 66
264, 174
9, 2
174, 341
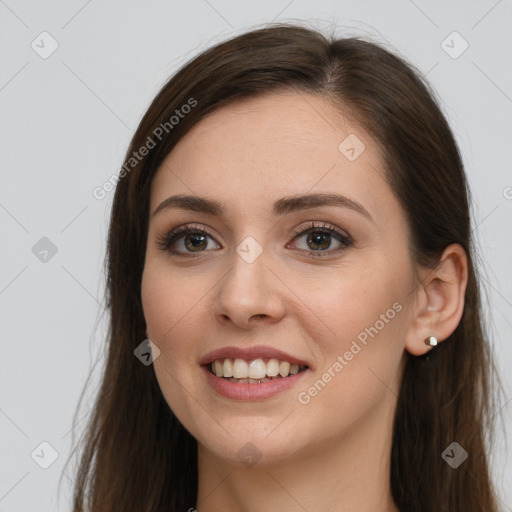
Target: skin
333, 453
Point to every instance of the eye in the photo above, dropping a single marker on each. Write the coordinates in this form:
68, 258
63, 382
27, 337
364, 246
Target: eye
191, 241
319, 239
187, 237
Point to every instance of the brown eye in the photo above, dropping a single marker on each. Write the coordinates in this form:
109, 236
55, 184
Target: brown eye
195, 241
190, 241
319, 239
186, 241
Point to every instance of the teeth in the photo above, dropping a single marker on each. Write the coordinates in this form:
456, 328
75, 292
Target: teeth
257, 369
218, 368
228, 368
273, 368
284, 368
250, 381
239, 370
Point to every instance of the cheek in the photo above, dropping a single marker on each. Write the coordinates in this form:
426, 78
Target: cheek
352, 300
171, 305
170, 301
363, 324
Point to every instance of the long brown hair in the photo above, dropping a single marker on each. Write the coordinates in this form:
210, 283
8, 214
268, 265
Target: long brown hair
136, 456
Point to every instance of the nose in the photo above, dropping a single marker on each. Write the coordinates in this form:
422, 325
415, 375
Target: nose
249, 293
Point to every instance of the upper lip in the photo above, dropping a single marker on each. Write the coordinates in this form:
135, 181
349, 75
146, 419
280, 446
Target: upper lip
250, 353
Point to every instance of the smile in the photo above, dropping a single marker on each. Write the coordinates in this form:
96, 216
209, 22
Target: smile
252, 373
255, 371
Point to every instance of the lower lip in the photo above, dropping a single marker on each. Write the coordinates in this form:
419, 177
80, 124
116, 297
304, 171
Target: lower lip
247, 391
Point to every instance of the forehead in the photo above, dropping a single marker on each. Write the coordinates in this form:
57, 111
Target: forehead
257, 150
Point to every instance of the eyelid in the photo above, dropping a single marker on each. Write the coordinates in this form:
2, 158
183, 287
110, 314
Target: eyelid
320, 225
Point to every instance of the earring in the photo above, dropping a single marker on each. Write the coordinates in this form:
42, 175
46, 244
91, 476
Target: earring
431, 340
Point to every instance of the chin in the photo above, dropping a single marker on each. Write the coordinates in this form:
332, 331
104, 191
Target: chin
255, 443
256, 453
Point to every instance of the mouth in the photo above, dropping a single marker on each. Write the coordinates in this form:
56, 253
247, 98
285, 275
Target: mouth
254, 371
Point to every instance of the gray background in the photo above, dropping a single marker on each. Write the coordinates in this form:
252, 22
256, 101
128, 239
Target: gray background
65, 123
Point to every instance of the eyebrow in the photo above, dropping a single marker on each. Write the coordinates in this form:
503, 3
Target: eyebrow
280, 207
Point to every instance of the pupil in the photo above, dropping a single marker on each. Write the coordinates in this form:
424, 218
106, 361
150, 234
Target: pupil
194, 240
317, 239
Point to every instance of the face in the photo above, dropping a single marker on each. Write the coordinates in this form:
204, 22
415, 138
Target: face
261, 280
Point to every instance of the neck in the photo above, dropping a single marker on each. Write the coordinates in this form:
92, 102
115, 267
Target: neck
345, 475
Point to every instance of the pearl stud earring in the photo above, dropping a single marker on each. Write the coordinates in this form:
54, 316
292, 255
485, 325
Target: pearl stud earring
431, 340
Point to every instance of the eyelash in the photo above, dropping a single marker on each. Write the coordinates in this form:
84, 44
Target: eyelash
165, 242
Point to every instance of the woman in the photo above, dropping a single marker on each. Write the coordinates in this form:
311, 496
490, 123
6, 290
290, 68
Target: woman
291, 232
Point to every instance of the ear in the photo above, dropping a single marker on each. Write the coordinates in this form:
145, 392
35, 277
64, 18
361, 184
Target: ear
439, 300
